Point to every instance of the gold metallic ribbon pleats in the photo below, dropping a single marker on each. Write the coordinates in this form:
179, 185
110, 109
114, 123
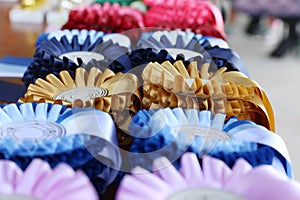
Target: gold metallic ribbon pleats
233, 93
116, 94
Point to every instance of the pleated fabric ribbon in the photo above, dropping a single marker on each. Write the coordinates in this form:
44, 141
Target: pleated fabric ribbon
109, 18
213, 179
192, 45
116, 94
85, 139
245, 130
39, 181
172, 132
58, 47
67, 52
177, 39
136, 60
45, 63
82, 35
233, 93
201, 17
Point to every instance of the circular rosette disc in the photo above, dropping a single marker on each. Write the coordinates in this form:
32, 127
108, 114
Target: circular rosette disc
213, 179
81, 138
109, 18
192, 46
202, 17
32, 130
116, 94
74, 49
172, 132
186, 86
38, 178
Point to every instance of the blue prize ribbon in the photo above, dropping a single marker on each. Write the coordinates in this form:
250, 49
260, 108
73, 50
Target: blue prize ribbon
228, 58
50, 54
57, 134
69, 34
211, 48
263, 155
44, 64
82, 35
155, 135
135, 60
248, 131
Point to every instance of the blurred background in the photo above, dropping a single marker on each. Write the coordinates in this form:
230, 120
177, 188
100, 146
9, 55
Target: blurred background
270, 49
262, 32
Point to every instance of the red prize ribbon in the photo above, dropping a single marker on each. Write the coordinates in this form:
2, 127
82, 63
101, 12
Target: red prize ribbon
201, 17
109, 18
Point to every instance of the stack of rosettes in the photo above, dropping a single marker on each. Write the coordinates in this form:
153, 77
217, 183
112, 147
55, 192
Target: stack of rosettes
125, 104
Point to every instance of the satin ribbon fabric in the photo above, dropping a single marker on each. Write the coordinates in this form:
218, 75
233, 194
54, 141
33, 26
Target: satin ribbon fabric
58, 134
244, 130
45, 63
85, 41
201, 17
177, 39
82, 35
74, 49
228, 58
213, 179
116, 94
136, 60
39, 181
172, 132
190, 44
233, 93
104, 90
58, 47
109, 18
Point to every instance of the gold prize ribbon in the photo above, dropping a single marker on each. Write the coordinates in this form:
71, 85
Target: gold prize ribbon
116, 94
233, 93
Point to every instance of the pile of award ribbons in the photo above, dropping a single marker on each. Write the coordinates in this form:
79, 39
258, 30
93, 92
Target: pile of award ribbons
125, 104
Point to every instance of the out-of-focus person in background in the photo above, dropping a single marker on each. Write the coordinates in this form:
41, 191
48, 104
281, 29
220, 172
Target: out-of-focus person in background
280, 16
260, 23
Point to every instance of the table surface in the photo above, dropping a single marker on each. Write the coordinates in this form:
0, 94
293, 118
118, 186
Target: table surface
16, 39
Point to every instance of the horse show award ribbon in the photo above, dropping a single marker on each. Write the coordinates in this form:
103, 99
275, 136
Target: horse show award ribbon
212, 180
201, 17
44, 64
109, 18
39, 181
70, 51
233, 93
245, 130
172, 132
57, 134
193, 45
116, 94
136, 60
81, 34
